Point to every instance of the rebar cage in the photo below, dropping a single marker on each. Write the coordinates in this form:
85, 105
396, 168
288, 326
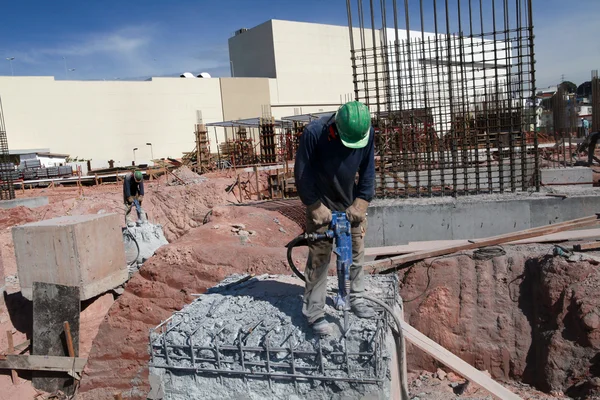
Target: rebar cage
451, 85
7, 168
272, 361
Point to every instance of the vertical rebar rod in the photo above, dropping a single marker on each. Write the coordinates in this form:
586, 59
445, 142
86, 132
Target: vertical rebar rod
375, 62
352, 49
486, 105
451, 103
520, 88
497, 102
532, 73
440, 105
464, 101
507, 52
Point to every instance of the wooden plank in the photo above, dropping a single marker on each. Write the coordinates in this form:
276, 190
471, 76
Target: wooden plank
389, 264
412, 247
11, 350
42, 363
69, 338
455, 363
587, 246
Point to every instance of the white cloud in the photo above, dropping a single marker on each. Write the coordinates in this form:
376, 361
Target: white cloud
129, 52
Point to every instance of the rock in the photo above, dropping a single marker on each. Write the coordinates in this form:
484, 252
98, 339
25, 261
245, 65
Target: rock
119, 290
243, 233
441, 375
591, 321
235, 230
282, 230
417, 383
238, 225
415, 398
216, 226
252, 233
276, 221
452, 377
102, 211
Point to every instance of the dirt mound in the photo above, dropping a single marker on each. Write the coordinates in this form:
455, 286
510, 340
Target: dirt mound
167, 282
524, 315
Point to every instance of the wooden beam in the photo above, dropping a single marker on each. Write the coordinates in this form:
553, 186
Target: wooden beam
42, 363
455, 363
412, 247
394, 263
587, 246
11, 350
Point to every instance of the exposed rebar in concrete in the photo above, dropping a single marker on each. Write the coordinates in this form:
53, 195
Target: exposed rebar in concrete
251, 341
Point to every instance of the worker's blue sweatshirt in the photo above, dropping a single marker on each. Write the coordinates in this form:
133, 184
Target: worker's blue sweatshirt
131, 187
326, 169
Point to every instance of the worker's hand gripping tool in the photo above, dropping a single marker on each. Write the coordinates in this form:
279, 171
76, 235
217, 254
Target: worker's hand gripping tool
339, 231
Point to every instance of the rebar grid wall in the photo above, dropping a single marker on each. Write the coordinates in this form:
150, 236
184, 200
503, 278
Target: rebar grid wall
451, 85
7, 188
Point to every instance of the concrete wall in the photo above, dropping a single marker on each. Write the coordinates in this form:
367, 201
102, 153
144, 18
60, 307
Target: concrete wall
106, 120
244, 97
403, 221
251, 53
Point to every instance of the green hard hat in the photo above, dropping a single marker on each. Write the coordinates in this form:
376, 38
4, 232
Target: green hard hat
137, 175
353, 121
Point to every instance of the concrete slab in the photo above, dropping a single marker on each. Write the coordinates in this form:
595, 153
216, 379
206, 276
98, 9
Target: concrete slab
574, 175
52, 306
30, 202
85, 251
398, 222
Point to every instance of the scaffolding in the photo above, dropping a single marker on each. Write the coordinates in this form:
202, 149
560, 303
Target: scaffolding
7, 169
453, 98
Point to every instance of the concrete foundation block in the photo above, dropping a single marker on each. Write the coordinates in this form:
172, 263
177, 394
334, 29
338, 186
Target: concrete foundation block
85, 251
574, 175
30, 202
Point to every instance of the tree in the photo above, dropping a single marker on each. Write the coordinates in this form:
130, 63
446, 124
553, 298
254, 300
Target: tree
569, 86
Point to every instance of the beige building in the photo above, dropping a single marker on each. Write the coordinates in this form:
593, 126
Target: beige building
309, 64
104, 120
280, 67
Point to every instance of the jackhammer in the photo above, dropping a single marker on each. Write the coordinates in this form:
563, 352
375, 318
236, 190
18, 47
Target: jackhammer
339, 232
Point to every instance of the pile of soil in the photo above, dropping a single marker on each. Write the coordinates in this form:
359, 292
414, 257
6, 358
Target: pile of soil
525, 315
168, 281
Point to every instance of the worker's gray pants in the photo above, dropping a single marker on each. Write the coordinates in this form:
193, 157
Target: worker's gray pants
317, 265
128, 209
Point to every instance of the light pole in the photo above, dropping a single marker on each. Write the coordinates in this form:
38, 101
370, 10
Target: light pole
10, 60
71, 70
151, 152
134, 149
66, 71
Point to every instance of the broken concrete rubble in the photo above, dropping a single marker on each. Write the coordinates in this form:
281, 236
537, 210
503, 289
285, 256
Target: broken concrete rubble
267, 350
149, 238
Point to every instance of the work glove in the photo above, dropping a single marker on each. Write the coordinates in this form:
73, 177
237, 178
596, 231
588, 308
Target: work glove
130, 200
357, 212
319, 214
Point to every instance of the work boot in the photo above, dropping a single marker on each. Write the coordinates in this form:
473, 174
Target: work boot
362, 310
321, 327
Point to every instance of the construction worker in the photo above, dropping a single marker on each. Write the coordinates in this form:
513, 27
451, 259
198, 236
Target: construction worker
133, 189
330, 154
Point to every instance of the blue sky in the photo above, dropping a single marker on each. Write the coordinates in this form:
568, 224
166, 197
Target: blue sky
111, 39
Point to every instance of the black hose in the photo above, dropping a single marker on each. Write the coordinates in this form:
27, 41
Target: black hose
298, 241
137, 246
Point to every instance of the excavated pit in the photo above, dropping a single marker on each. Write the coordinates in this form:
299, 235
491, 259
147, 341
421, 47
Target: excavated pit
251, 341
527, 315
